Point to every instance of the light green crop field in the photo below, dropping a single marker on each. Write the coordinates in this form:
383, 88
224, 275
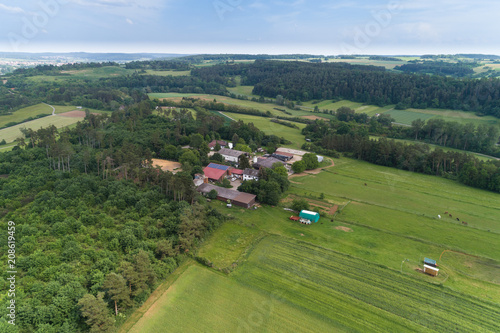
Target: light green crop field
11, 133
268, 127
25, 113
89, 73
407, 117
356, 270
167, 73
458, 116
366, 61
243, 90
231, 306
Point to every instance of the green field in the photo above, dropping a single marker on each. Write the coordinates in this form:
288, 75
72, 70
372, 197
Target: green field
167, 73
357, 273
406, 117
11, 133
268, 127
33, 111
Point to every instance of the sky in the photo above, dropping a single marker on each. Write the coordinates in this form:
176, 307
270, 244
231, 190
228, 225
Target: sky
322, 27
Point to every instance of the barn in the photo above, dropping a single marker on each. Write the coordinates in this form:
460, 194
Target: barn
216, 172
231, 155
308, 215
236, 198
283, 156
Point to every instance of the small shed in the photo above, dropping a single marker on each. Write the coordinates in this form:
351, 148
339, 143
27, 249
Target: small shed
430, 262
431, 270
312, 216
294, 218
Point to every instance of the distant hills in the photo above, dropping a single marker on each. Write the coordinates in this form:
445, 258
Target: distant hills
89, 57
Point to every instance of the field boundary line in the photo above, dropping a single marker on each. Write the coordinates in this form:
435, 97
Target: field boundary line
155, 296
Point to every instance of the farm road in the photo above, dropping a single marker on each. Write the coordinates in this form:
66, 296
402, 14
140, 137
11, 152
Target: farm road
53, 109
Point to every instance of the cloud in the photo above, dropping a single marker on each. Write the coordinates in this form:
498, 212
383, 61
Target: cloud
15, 10
129, 21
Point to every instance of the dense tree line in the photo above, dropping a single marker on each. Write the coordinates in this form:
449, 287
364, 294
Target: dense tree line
302, 81
460, 69
58, 69
271, 185
159, 65
354, 141
200, 58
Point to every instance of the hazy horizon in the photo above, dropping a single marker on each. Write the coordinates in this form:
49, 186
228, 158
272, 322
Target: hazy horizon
255, 27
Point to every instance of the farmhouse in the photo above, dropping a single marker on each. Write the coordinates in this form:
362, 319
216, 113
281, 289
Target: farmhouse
308, 215
222, 144
216, 172
266, 162
231, 155
251, 174
237, 198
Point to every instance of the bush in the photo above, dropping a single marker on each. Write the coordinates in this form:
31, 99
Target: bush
212, 194
300, 204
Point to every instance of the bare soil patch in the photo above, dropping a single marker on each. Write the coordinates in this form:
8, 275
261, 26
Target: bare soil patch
166, 165
4, 81
346, 229
314, 117
333, 210
74, 114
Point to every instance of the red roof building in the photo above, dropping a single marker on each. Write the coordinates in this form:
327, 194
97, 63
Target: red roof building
216, 172
221, 143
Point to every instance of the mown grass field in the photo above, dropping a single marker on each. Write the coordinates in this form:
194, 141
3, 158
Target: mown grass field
33, 111
355, 270
231, 307
407, 117
167, 73
11, 133
264, 124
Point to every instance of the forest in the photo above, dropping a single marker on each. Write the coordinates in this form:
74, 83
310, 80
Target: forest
301, 81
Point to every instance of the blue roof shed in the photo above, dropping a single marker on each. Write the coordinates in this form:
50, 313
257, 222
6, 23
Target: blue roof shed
306, 214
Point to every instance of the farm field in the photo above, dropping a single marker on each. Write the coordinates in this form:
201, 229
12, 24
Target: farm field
357, 273
228, 100
459, 116
268, 127
406, 117
11, 133
366, 61
32, 111
233, 308
167, 73
89, 74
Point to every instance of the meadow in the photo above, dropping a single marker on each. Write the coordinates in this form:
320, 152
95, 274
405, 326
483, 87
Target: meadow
356, 270
32, 111
10, 134
264, 124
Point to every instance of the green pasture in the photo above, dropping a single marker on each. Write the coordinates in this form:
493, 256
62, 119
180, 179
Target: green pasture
14, 132
458, 116
268, 127
407, 117
167, 73
357, 295
243, 90
204, 301
355, 270
366, 61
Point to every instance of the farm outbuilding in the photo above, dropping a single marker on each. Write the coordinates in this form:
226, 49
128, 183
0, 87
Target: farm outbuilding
431, 270
430, 262
308, 215
234, 197
216, 172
